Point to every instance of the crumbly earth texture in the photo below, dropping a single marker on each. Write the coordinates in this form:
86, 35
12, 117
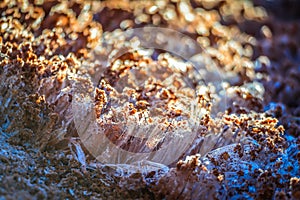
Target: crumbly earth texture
249, 150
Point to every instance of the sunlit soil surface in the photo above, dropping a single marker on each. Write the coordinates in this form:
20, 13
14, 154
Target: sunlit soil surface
247, 147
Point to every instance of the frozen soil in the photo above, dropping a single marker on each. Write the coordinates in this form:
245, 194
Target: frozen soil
30, 172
